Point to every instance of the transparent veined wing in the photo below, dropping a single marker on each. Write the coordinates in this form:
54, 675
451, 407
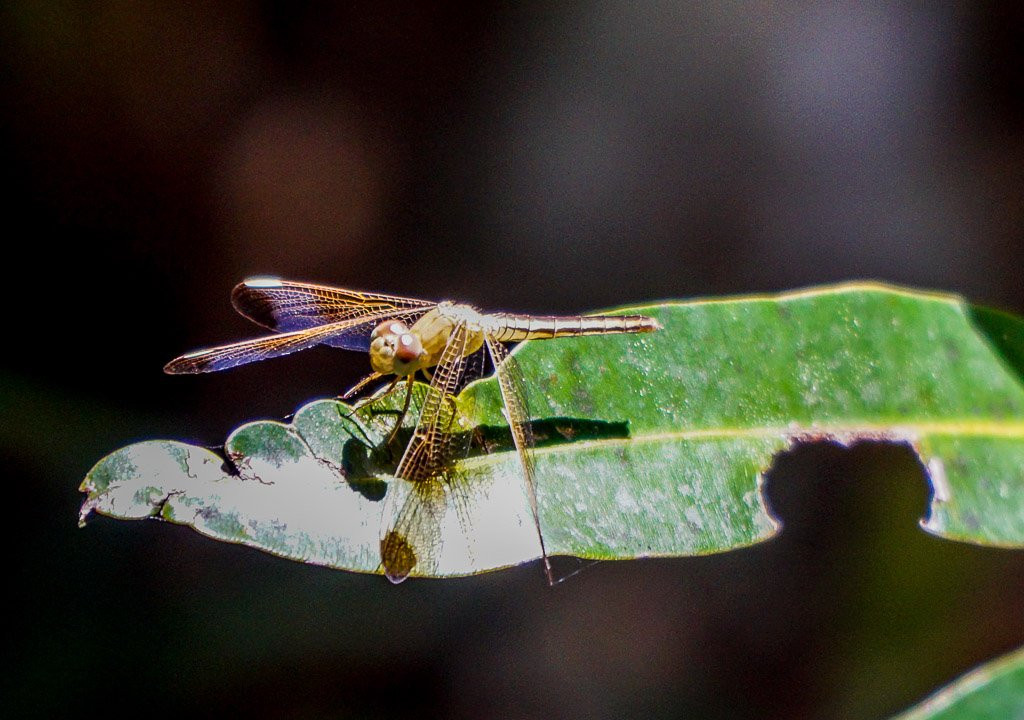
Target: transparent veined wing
517, 414
232, 355
411, 531
285, 306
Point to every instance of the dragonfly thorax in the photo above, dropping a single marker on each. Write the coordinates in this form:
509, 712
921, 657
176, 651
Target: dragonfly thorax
436, 327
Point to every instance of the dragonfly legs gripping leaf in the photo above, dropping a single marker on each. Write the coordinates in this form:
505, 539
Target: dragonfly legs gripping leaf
390, 389
405, 409
406, 403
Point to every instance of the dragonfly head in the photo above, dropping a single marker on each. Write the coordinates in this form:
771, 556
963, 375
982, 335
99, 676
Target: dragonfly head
394, 350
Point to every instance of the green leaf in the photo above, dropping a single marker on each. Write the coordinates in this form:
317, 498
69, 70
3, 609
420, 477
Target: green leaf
652, 444
993, 691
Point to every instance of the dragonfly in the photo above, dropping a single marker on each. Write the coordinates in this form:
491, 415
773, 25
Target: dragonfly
405, 337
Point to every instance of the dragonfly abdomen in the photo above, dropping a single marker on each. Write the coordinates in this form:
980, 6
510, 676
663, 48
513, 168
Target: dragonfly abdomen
508, 327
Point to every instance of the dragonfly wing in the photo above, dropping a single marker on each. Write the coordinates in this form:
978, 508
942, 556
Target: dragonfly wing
284, 306
513, 395
411, 535
428, 451
358, 337
247, 351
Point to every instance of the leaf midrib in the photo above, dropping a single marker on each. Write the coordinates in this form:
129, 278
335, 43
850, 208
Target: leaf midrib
897, 431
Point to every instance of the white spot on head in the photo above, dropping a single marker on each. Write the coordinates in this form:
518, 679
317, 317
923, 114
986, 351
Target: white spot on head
396, 328
406, 339
263, 282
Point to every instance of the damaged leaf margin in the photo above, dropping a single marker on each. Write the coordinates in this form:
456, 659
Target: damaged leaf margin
993, 691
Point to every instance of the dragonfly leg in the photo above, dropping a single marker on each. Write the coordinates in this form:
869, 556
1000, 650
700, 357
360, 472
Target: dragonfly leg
361, 384
405, 407
358, 426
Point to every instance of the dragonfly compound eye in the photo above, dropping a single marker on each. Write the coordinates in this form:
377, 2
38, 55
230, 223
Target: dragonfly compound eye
409, 354
408, 348
395, 350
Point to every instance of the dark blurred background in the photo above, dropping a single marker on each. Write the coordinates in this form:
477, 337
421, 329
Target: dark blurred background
530, 156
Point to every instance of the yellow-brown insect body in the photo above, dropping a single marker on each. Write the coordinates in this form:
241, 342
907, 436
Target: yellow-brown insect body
399, 350
409, 336
436, 327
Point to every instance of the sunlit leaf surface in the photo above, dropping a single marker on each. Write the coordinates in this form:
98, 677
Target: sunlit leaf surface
651, 444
